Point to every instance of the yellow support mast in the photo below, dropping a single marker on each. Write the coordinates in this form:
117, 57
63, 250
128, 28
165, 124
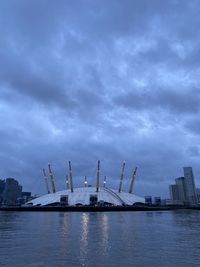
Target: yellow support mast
104, 181
46, 181
70, 176
52, 179
98, 174
121, 177
86, 183
67, 182
132, 181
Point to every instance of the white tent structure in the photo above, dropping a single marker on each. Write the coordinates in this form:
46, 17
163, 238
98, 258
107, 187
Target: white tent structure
87, 196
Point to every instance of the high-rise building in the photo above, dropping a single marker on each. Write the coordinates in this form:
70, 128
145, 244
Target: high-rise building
2, 187
184, 191
178, 192
180, 182
174, 195
198, 194
190, 189
11, 192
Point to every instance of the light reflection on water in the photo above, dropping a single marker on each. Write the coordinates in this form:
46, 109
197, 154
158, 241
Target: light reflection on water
64, 220
84, 237
105, 229
100, 239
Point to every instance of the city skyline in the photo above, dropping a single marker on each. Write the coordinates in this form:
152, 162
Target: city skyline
178, 192
184, 191
108, 80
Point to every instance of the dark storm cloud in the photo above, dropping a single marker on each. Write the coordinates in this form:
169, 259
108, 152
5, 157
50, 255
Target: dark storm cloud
114, 80
172, 101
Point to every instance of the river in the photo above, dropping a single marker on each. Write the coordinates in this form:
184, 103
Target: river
92, 239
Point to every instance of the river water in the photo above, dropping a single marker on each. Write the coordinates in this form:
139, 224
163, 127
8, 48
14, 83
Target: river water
168, 238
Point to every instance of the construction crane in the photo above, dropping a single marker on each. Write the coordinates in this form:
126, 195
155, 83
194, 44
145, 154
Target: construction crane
46, 181
132, 181
98, 174
52, 179
70, 175
121, 177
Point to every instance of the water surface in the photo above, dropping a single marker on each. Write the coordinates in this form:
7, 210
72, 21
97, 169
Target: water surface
166, 238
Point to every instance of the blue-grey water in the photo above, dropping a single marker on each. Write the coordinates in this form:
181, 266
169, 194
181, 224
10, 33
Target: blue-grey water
100, 239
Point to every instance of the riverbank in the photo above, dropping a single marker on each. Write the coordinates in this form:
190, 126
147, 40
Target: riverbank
94, 208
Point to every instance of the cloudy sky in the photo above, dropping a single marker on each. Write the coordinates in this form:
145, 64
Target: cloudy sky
111, 80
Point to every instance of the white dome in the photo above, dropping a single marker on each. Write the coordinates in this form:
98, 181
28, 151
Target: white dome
83, 196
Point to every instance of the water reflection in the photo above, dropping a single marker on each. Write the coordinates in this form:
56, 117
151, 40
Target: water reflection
84, 237
105, 230
65, 223
100, 239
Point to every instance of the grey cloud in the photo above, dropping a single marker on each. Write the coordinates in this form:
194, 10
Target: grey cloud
169, 100
109, 80
193, 125
193, 151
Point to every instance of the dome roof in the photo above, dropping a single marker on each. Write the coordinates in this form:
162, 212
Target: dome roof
87, 196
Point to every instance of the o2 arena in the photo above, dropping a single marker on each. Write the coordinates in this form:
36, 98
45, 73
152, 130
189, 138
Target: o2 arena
87, 196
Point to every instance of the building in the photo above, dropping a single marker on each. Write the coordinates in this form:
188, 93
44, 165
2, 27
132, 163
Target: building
183, 192
11, 192
190, 189
2, 187
174, 195
25, 197
198, 194
180, 183
181, 187
157, 201
87, 196
148, 200
177, 192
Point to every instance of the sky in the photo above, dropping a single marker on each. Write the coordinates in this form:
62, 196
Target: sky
111, 80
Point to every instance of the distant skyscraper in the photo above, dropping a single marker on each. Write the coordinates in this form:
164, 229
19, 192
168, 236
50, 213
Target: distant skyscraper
11, 192
180, 182
2, 187
190, 189
184, 191
174, 195
198, 195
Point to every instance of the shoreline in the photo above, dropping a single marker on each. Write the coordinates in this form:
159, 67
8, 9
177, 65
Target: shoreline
95, 209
